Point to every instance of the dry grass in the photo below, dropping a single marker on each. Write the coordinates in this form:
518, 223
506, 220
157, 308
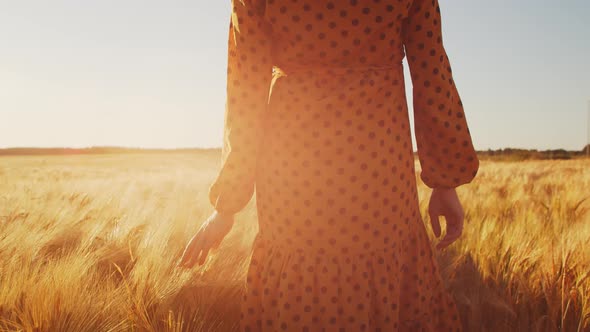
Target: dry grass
88, 243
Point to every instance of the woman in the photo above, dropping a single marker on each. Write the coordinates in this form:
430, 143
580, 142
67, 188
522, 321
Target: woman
341, 243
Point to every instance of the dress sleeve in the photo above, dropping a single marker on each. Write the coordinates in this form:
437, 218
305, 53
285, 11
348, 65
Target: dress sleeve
445, 148
249, 72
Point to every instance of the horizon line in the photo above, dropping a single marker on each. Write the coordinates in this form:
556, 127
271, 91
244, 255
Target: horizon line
121, 147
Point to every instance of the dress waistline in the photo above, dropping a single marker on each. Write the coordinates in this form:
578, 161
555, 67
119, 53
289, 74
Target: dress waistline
287, 69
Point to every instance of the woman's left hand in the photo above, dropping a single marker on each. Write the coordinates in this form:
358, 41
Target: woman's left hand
445, 202
209, 237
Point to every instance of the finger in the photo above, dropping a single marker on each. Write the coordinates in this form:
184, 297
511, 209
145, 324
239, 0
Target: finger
192, 259
185, 256
187, 250
435, 222
453, 233
216, 244
184, 260
203, 256
193, 251
190, 262
445, 243
187, 264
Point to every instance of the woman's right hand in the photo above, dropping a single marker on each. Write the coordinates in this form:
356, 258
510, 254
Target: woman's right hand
206, 239
444, 202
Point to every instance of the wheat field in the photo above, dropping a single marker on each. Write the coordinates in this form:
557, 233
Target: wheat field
90, 243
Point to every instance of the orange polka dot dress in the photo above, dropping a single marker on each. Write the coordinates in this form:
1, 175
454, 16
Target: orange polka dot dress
317, 125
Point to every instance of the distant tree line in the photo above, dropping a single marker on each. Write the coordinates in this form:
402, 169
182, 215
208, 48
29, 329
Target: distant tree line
508, 154
526, 154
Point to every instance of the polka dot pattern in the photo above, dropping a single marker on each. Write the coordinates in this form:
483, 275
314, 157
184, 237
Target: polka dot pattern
317, 122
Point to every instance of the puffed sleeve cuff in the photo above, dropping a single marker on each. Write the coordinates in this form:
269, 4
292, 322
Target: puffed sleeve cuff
450, 175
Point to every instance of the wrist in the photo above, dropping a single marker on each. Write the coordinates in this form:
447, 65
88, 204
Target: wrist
225, 215
444, 188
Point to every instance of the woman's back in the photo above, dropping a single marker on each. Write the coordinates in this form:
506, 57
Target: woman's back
341, 242
336, 33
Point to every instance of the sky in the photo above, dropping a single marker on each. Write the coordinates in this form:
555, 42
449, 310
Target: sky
152, 74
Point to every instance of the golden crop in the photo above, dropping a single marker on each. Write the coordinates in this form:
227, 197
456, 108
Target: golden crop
90, 243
